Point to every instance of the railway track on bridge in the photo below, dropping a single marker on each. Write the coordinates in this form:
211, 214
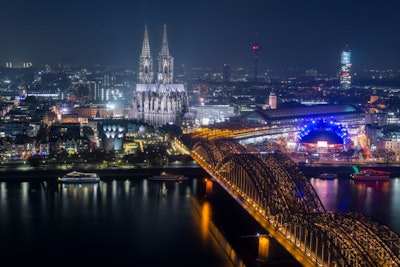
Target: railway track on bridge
272, 188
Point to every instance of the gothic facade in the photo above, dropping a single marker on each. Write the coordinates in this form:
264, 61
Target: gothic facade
157, 100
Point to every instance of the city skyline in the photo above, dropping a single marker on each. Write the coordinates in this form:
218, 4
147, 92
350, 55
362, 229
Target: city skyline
206, 33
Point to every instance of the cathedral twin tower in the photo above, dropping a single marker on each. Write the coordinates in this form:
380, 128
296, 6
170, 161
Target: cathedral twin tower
156, 99
165, 61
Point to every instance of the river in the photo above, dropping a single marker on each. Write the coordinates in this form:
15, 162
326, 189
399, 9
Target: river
138, 222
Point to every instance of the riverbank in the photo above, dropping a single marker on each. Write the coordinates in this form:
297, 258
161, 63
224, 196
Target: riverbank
46, 174
344, 171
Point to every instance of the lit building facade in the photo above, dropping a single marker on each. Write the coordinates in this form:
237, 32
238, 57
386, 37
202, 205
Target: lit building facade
288, 122
211, 114
272, 100
387, 139
157, 100
345, 69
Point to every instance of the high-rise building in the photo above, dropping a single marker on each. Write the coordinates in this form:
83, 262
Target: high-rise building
345, 69
272, 100
158, 100
226, 73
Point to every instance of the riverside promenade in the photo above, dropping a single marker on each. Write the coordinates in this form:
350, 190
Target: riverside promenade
112, 173
18, 174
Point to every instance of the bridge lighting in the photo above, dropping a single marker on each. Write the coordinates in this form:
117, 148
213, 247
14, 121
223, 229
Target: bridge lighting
313, 248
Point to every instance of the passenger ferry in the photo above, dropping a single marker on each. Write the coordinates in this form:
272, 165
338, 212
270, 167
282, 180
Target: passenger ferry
327, 176
79, 177
371, 175
168, 177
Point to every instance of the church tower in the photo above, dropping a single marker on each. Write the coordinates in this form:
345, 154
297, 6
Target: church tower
146, 74
158, 101
165, 73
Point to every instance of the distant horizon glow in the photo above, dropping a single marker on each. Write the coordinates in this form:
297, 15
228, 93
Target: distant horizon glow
292, 34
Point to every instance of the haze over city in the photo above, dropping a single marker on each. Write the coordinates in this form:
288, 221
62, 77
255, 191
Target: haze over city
292, 34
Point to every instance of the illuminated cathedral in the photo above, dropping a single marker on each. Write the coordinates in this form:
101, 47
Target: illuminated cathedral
157, 100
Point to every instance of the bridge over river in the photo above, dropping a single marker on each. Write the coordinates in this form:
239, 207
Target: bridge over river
273, 189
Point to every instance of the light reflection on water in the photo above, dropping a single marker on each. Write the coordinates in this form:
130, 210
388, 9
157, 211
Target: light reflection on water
380, 200
135, 221
116, 223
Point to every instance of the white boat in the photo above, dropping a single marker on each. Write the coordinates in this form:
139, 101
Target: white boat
168, 177
327, 176
79, 177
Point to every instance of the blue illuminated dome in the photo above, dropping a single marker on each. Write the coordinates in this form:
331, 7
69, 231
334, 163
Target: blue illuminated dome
322, 135
323, 131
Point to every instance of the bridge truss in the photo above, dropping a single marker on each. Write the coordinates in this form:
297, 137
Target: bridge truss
275, 191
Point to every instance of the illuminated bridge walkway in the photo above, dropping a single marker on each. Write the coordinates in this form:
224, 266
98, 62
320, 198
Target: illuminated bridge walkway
276, 193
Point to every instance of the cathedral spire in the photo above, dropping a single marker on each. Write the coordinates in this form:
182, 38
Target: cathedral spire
164, 47
146, 44
165, 62
146, 74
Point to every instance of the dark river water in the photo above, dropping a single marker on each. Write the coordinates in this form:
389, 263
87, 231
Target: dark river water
380, 200
137, 222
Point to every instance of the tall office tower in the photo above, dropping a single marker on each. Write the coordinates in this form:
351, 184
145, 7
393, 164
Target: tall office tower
165, 62
345, 69
161, 102
226, 73
146, 74
93, 89
272, 100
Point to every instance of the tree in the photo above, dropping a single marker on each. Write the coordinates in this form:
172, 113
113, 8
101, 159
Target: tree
172, 130
87, 131
62, 156
35, 160
43, 134
22, 139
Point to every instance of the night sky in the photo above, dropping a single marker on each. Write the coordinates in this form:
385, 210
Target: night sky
292, 33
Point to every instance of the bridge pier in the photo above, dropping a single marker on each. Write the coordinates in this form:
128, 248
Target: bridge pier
209, 186
263, 248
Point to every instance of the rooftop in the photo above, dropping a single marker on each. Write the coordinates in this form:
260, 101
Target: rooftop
308, 111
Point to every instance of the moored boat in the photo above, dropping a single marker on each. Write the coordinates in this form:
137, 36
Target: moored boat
79, 177
168, 177
371, 175
327, 176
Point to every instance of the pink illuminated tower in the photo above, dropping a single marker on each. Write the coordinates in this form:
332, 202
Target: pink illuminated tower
255, 48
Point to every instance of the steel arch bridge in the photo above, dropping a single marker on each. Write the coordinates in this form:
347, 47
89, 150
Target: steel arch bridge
272, 188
